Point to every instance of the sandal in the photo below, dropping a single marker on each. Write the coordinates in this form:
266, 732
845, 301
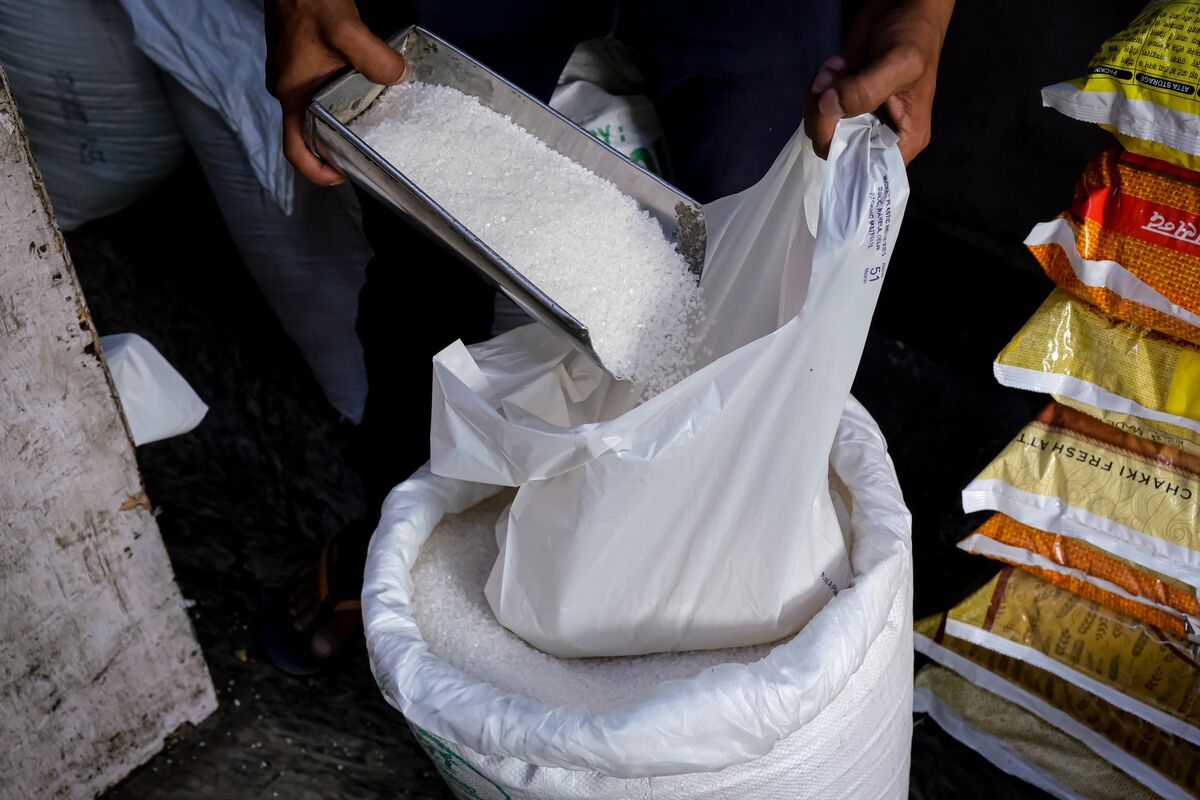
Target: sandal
339, 584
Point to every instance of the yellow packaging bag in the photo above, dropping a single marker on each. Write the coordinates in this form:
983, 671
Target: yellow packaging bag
1142, 83
1132, 665
1130, 243
1079, 567
1070, 474
1018, 742
1158, 760
1068, 348
1158, 432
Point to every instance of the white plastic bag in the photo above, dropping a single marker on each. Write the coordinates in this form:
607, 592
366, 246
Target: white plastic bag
700, 518
98, 121
826, 714
157, 401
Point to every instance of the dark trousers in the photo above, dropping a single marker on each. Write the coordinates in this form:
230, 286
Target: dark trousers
728, 81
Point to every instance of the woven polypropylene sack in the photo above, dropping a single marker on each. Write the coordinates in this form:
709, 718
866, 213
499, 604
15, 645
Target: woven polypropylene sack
828, 710
98, 120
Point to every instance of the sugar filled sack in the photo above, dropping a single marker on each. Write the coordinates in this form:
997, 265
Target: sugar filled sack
1088, 571
1069, 348
700, 518
1142, 84
451, 611
1018, 742
1134, 666
1067, 473
1130, 243
751, 726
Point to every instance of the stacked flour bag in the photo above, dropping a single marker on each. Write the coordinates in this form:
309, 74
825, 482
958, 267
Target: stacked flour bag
1076, 667
1088, 634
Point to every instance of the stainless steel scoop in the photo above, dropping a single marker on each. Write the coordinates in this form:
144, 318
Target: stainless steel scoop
431, 60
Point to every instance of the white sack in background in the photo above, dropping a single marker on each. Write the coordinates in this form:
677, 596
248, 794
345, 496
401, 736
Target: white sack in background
217, 50
105, 132
157, 401
600, 90
700, 518
98, 120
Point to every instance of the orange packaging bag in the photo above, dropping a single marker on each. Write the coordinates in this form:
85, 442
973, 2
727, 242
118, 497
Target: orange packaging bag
1130, 243
1090, 572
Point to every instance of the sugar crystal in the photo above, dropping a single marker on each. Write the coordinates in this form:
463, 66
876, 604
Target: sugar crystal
457, 623
572, 233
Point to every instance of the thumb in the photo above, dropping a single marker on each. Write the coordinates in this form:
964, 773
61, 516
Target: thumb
367, 53
868, 89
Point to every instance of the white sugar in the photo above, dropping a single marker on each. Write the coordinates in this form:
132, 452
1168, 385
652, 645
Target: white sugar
572, 233
456, 622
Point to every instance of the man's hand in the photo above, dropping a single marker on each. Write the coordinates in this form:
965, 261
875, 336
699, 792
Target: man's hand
307, 41
888, 65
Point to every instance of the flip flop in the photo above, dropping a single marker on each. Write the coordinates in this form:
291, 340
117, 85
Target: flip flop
339, 585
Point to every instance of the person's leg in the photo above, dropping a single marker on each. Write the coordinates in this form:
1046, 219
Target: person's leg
309, 265
728, 80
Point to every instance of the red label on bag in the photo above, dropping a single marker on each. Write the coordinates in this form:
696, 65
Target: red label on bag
1151, 222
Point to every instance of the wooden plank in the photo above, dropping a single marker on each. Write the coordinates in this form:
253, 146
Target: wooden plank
98, 659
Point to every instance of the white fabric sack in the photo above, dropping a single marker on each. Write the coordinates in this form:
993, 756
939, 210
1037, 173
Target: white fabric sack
157, 401
699, 519
100, 126
826, 714
217, 50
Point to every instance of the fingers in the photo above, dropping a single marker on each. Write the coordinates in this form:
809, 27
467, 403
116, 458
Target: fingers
307, 43
894, 86
912, 120
366, 52
869, 88
818, 124
297, 152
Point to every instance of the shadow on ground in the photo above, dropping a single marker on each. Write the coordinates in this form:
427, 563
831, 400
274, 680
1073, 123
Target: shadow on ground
270, 473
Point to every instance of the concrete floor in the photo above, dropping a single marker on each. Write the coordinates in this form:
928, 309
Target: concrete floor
270, 473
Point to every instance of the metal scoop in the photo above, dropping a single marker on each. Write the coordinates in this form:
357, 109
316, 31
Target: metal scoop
431, 60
